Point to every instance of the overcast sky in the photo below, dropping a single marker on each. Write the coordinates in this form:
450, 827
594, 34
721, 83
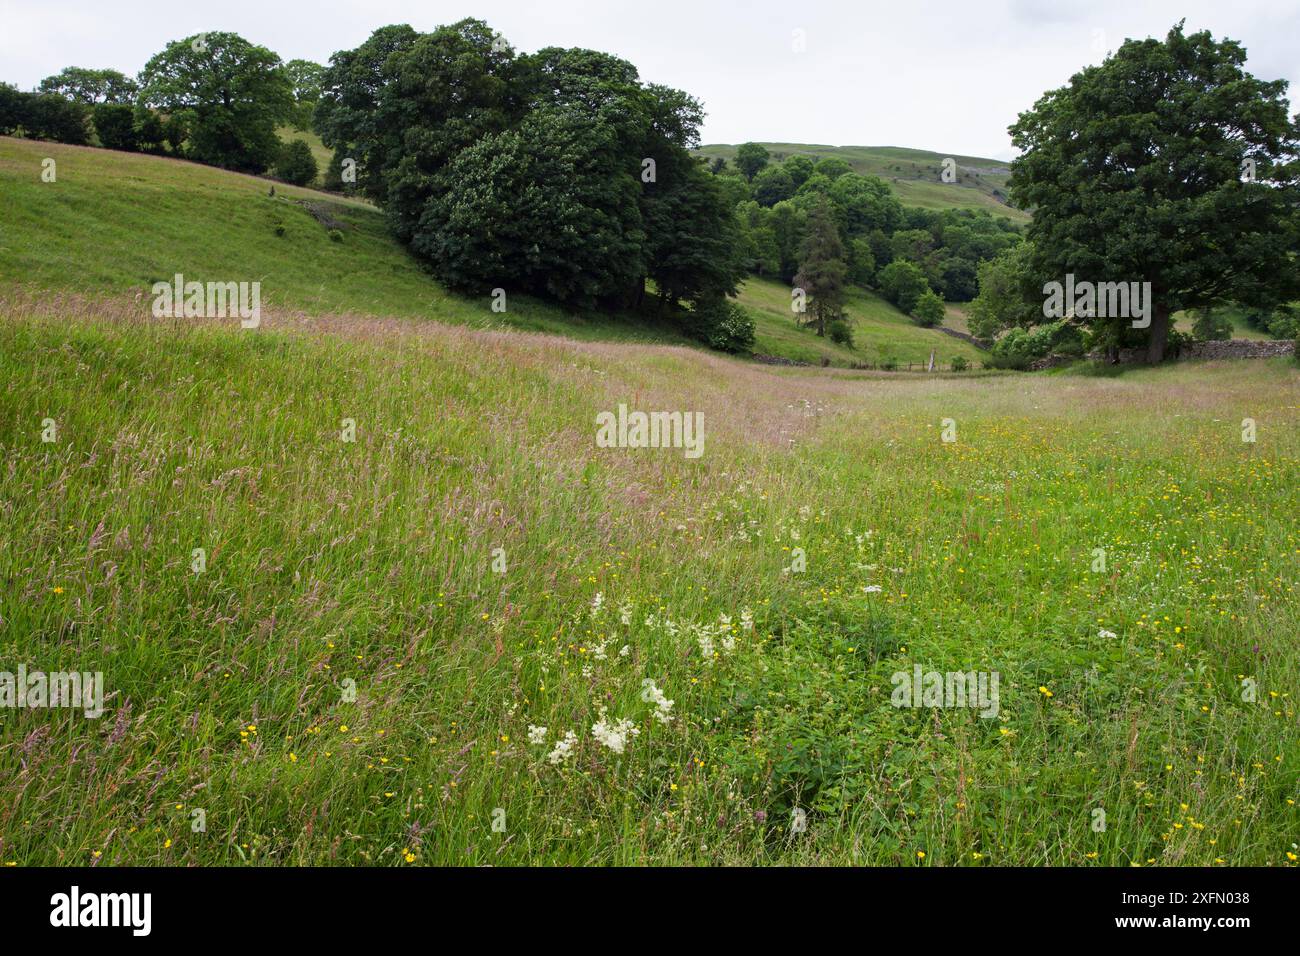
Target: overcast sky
947, 76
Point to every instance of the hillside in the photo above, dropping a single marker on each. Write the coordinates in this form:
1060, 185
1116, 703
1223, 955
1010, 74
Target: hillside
881, 332
114, 223
912, 174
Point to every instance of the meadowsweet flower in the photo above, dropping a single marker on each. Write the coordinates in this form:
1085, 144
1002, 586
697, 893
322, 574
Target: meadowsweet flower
872, 589
705, 640
597, 603
536, 735
746, 620
625, 613
651, 694
624, 650
1103, 633
563, 749
614, 736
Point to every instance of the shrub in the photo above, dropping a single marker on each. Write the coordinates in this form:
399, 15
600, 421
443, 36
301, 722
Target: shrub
13, 109
841, 332
902, 283
50, 116
959, 363
929, 309
1210, 325
149, 132
115, 126
336, 235
888, 364
721, 325
296, 164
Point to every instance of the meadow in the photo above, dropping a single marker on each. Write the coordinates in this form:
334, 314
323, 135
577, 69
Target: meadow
364, 589
392, 638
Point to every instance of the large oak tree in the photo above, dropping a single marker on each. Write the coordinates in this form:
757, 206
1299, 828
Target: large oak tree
1171, 164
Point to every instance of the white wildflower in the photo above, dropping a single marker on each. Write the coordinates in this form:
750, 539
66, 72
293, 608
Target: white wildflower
746, 620
563, 748
651, 694
536, 735
1106, 634
872, 589
615, 735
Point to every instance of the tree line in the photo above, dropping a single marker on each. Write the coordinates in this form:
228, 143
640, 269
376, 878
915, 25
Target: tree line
213, 98
561, 173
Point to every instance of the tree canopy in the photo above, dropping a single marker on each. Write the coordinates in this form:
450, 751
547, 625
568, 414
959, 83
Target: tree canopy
1167, 164
230, 94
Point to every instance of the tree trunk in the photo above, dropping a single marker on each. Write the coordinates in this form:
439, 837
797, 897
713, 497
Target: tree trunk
1159, 335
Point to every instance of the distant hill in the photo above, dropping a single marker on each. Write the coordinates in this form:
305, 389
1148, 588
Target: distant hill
913, 174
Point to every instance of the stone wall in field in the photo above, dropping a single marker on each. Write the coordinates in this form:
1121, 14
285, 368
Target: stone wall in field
1238, 348
1229, 349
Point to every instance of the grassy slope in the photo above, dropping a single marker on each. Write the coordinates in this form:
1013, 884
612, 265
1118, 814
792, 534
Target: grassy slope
123, 221
371, 562
117, 222
881, 331
913, 174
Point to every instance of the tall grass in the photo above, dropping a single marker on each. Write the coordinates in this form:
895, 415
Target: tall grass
335, 566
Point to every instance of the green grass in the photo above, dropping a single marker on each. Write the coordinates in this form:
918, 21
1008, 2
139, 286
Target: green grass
331, 562
827, 539
114, 223
881, 331
913, 174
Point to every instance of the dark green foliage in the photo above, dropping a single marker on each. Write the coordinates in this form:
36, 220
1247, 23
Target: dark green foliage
357, 117
773, 185
296, 164
1210, 325
1010, 295
750, 159
832, 167
13, 109
822, 270
959, 363
902, 283
1019, 347
537, 208
720, 325
929, 309
1135, 173
558, 172
91, 86
862, 263
149, 131
115, 125
230, 94
305, 77
798, 168
841, 332
53, 117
